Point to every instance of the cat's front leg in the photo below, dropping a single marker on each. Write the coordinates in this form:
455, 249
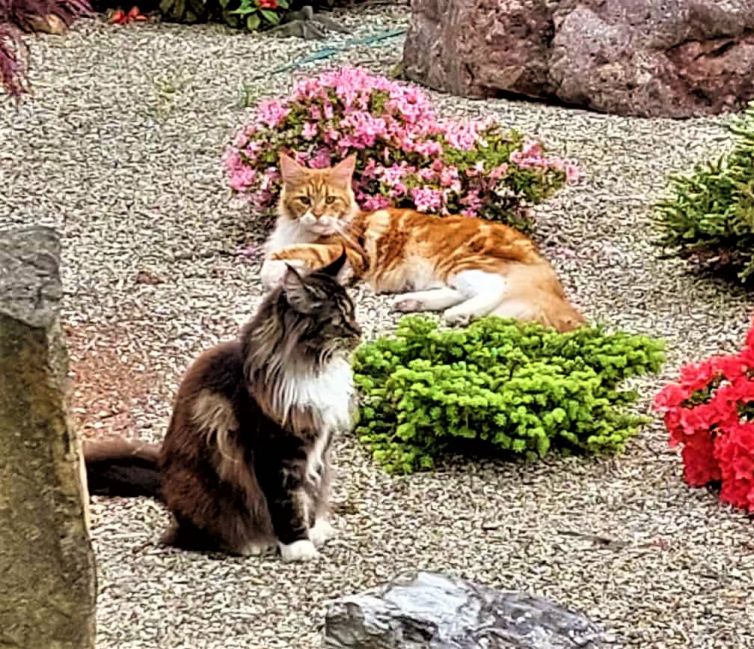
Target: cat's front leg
346, 276
273, 271
288, 504
435, 299
321, 532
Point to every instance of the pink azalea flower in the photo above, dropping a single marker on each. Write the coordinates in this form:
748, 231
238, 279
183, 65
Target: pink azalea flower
315, 112
398, 190
372, 203
271, 113
427, 200
309, 132
321, 159
348, 110
531, 149
428, 148
461, 135
498, 172
573, 173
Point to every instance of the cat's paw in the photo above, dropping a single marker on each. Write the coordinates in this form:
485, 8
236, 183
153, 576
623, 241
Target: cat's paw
406, 304
273, 271
256, 549
346, 276
321, 532
302, 550
456, 317
314, 472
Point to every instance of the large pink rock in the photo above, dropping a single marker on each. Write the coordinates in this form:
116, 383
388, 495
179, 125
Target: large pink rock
673, 58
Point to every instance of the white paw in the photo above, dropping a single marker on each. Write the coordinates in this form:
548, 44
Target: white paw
346, 275
314, 474
454, 317
273, 271
321, 532
257, 549
406, 304
302, 550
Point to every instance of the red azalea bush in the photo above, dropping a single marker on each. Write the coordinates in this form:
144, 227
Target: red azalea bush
710, 413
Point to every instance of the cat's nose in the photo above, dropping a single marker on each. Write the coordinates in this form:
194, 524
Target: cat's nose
318, 211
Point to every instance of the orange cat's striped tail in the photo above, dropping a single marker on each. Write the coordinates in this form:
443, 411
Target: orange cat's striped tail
543, 308
535, 295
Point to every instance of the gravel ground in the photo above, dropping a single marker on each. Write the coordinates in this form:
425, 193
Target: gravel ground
120, 148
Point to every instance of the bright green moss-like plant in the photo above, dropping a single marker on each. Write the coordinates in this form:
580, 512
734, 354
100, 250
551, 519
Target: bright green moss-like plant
500, 385
708, 217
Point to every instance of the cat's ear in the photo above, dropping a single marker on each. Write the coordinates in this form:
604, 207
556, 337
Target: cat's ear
334, 267
291, 171
296, 294
342, 173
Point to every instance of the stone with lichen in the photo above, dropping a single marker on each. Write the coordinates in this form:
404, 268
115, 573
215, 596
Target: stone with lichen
47, 576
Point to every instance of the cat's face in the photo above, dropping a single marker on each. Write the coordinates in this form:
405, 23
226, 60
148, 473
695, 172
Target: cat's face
320, 200
322, 318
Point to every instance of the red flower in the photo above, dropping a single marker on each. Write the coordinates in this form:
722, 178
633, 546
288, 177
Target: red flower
699, 464
704, 413
268, 4
671, 396
735, 453
119, 17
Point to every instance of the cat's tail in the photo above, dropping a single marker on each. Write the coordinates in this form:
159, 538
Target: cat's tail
120, 467
545, 308
535, 294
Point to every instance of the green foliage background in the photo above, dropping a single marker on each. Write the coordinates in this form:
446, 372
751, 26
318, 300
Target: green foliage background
508, 386
708, 216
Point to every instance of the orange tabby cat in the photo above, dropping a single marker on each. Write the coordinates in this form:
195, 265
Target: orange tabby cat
463, 266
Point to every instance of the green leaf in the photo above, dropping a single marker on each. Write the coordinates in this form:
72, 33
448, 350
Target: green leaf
246, 7
253, 22
270, 16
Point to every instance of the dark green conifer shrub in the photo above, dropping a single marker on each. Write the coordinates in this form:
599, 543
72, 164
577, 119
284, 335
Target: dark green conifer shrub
708, 216
504, 386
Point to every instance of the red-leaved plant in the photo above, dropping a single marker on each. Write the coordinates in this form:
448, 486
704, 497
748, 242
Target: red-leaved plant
710, 413
12, 63
18, 16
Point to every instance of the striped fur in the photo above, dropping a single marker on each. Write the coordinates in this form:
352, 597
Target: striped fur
463, 266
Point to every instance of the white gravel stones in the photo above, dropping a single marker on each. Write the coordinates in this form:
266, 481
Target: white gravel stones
121, 147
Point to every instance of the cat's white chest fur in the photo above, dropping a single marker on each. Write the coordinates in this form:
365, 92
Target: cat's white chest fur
288, 232
329, 394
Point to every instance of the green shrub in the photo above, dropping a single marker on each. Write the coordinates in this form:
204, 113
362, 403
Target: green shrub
250, 15
503, 385
708, 217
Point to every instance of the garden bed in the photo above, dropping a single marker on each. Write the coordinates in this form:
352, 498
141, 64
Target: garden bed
121, 149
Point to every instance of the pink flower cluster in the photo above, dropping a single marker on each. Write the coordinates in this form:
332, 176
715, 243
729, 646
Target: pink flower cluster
531, 156
710, 413
405, 155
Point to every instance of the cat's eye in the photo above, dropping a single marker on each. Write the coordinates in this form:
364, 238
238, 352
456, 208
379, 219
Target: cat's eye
330, 200
305, 200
